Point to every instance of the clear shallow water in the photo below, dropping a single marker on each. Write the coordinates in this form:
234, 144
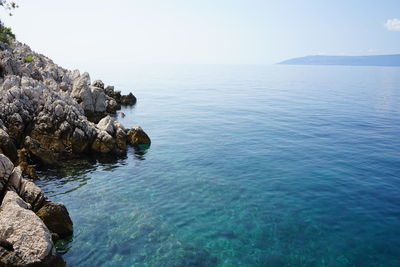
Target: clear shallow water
249, 166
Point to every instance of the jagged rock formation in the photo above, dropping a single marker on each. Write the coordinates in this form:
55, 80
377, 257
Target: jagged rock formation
52, 112
47, 113
25, 239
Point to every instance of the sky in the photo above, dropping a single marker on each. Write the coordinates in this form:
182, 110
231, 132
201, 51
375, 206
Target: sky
81, 34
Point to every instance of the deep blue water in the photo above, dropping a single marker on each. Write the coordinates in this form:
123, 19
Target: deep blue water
249, 166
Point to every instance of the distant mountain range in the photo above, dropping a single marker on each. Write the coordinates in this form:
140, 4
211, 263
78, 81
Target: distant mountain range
378, 60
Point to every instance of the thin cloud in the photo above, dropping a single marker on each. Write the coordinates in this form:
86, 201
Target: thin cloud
393, 24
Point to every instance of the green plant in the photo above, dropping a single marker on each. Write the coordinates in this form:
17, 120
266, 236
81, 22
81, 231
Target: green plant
28, 59
6, 35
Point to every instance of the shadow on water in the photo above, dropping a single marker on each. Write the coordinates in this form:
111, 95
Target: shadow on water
77, 169
140, 152
72, 174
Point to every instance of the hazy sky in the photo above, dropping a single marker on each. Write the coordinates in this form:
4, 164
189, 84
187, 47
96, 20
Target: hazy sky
87, 33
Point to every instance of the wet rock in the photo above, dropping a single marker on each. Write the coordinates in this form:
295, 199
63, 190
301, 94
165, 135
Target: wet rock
26, 234
56, 217
137, 137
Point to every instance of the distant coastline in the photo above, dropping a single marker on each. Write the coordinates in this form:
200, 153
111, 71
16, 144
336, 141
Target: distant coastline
376, 60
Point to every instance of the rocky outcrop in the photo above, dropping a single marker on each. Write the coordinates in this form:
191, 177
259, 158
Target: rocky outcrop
48, 113
26, 238
52, 112
28, 241
7, 146
138, 138
111, 136
6, 168
129, 99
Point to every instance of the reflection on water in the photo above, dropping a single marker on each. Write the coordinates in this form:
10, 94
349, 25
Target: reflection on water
71, 174
140, 152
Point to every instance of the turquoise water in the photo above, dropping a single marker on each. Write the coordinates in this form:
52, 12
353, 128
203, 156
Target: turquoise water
249, 166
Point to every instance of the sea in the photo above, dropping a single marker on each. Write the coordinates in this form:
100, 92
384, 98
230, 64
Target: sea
249, 165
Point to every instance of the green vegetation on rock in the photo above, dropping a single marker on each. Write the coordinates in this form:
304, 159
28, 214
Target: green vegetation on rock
28, 59
6, 35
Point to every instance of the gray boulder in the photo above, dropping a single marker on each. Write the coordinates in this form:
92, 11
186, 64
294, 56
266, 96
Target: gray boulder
28, 241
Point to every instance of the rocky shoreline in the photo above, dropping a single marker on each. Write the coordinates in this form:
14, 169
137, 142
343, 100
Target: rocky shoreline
48, 114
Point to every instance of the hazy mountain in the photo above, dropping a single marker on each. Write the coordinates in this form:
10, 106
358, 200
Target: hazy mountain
379, 60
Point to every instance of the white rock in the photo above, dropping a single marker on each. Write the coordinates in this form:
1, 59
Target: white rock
107, 124
30, 238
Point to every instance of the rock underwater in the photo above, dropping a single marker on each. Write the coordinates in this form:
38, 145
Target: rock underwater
47, 114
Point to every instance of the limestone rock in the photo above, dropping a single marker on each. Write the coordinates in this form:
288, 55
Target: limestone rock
111, 136
107, 124
137, 137
32, 194
44, 154
99, 99
79, 140
111, 105
56, 217
104, 143
50, 111
7, 146
28, 239
6, 168
81, 91
15, 180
